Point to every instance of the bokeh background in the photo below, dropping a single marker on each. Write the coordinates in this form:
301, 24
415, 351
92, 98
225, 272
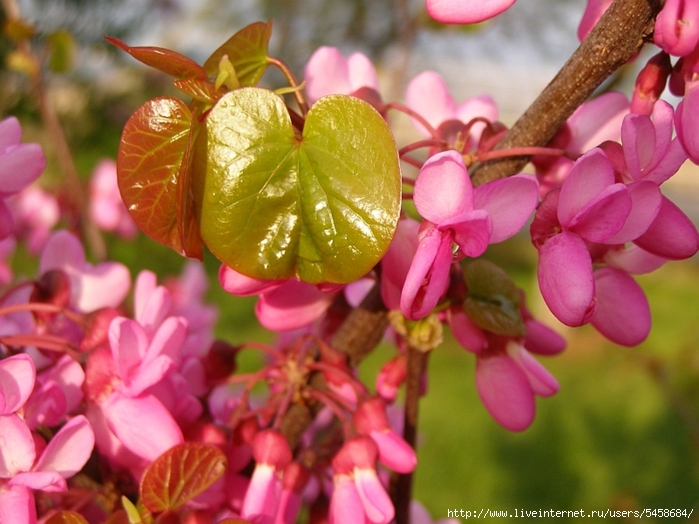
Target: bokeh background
623, 432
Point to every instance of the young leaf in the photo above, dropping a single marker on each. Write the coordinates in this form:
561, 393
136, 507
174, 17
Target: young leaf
247, 51
67, 517
151, 164
199, 90
165, 60
180, 474
322, 207
493, 301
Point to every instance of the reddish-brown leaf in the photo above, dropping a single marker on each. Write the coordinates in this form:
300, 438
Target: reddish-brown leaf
165, 60
152, 165
67, 517
180, 474
200, 90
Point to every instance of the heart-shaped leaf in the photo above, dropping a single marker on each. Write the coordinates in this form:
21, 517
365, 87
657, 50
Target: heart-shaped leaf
493, 301
321, 206
247, 51
153, 167
180, 474
165, 60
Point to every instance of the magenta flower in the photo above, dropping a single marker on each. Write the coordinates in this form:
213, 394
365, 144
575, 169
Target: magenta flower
20, 165
677, 27
35, 213
456, 213
466, 11
107, 209
328, 72
687, 118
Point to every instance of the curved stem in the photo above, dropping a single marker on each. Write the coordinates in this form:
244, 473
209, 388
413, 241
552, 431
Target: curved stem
293, 82
417, 116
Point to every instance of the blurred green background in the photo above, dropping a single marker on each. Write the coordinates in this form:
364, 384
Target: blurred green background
622, 433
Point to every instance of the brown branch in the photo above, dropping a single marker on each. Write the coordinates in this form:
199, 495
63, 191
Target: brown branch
617, 37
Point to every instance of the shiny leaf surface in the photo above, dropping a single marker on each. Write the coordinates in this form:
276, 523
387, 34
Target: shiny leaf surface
321, 207
165, 60
247, 51
180, 474
67, 517
152, 170
493, 301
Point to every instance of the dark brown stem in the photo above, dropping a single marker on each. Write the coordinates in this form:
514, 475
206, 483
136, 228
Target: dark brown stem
617, 37
402, 484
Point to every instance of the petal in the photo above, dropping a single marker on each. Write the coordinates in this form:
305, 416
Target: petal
633, 260
479, 106
262, 495
471, 232
10, 132
69, 449
622, 314
593, 12
672, 234
394, 452
565, 278
49, 481
542, 382
104, 285
465, 331
377, 505
17, 505
396, 262
428, 95
326, 73
428, 276
62, 249
465, 11
687, 121
443, 188
129, 343
345, 504
604, 216
677, 27
361, 72
20, 167
505, 392
510, 202
17, 376
243, 286
291, 306
142, 425
591, 174
17, 450
645, 204
597, 121
542, 340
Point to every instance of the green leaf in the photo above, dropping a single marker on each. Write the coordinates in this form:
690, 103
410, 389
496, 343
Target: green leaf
67, 517
321, 207
493, 301
247, 52
180, 474
165, 60
152, 169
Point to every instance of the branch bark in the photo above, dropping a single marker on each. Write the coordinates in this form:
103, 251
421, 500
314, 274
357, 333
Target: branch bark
616, 38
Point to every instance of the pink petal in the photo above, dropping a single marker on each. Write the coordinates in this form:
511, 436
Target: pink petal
17, 376
565, 278
62, 249
428, 95
542, 340
345, 503
20, 167
510, 202
70, 376
243, 286
505, 392
466, 332
6, 221
104, 285
48, 481
10, 133
593, 12
677, 27
687, 121
443, 188
479, 106
361, 72
622, 314
604, 216
396, 262
590, 176
597, 121
471, 232
672, 234
262, 496
645, 204
542, 382
428, 276
291, 306
142, 425
129, 343
633, 260
327, 73
394, 452
377, 505
465, 11
17, 451
17, 506
69, 449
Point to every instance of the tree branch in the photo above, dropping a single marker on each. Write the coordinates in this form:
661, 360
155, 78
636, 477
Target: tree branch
617, 37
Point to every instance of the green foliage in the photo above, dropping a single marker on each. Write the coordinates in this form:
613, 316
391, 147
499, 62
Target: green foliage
494, 300
321, 207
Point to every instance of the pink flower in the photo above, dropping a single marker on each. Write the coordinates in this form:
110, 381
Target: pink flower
687, 119
428, 95
20, 165
465, 11
107, 209
677, 27
35, 213
650, 83
328, 72
358, 495
92, 287
593, 12
17, 377
456, 213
